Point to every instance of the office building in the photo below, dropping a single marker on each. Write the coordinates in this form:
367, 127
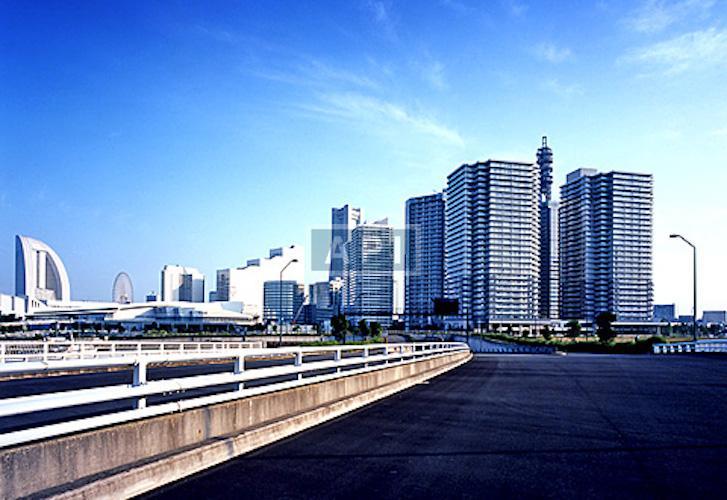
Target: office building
40, 275
319, 294
122, 291
549, 244
423, 259
246, 284
665, 312
606, 245
282, 301
324, 300
182, 284
343, 220
492, 242
714, 317
369, 273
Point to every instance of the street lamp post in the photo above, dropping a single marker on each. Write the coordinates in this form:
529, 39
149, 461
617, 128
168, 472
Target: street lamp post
694, 285
280, 302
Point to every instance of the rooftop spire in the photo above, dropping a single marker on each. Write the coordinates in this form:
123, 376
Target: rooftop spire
545, 161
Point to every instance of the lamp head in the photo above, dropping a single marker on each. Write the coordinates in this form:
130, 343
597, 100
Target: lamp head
673, 236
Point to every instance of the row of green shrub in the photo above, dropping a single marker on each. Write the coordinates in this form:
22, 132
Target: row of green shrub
641, 346
369, 340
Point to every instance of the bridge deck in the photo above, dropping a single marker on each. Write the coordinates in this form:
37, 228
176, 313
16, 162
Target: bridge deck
573, 426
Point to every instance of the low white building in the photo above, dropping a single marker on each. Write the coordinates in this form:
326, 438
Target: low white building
246, 284
183, 284
43, 299
142, 315
12, 306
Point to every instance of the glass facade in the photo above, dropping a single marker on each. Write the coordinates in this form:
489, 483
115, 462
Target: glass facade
343, 220
282, 300
424, 258
369, 273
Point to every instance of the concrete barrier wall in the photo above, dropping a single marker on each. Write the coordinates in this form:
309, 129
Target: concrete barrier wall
132, 458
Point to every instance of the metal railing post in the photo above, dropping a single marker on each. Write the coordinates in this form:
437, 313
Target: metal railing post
366, 355
299, 362
140, 379
337, 358
239, 368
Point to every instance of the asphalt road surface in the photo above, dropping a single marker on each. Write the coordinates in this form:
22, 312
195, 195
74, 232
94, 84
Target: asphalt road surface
578, 426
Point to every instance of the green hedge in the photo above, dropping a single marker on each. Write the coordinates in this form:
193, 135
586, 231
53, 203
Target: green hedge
319, 343
642, 346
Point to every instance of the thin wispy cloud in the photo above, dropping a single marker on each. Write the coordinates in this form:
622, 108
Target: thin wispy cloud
690, 51
515, 8
550, 52
434, 74
310, 72
217, 34
324, 71
380, 11
720, 132
368, 111
563, 89
654, 16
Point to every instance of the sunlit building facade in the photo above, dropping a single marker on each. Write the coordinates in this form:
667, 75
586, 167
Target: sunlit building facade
343, 221
606, 222
492, 242
182, 284
39, 272
369, 273
424, 259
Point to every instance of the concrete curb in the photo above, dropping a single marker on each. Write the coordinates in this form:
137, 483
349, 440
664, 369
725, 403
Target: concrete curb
147, 477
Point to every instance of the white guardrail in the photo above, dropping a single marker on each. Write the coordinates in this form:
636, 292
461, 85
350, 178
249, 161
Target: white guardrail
699, 346
24, 351
340, 361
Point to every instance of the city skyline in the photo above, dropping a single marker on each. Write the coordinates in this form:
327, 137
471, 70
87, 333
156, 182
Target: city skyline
133, 181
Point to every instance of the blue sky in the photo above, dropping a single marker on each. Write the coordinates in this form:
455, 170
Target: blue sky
138, 134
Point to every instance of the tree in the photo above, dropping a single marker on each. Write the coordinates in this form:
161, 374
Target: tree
339, 327
573, 329
376, 329
547, 334
363, 329
605, 331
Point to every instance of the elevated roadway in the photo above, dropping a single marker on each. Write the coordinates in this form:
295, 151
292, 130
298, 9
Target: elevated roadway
577, 426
